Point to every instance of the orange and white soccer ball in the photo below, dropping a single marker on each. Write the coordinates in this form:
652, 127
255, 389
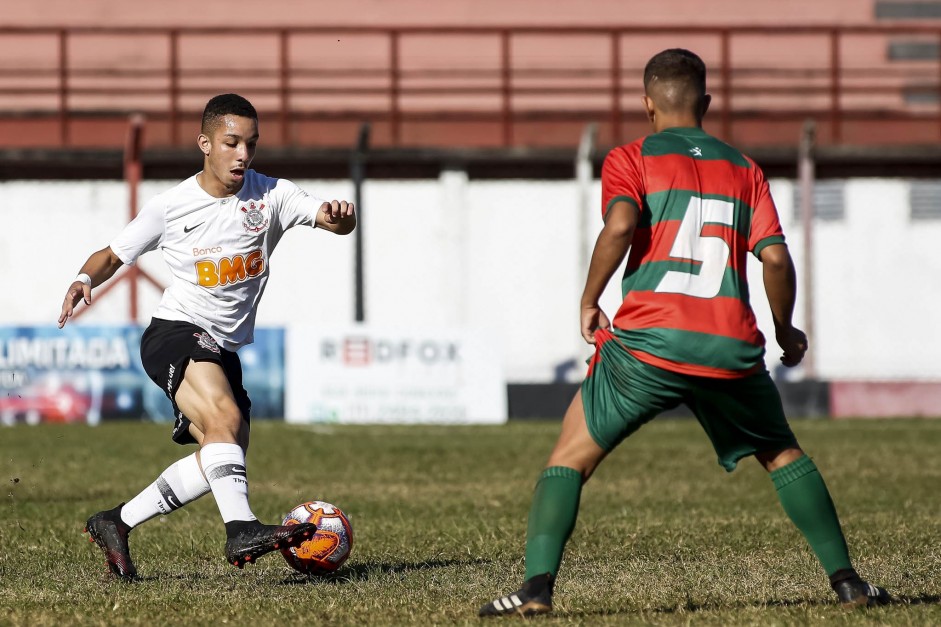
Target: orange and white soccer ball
331, 544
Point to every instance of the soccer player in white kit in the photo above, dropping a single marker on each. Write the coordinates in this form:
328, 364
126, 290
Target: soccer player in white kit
217, 230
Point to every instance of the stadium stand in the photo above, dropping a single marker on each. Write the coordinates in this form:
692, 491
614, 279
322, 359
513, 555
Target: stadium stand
456, 76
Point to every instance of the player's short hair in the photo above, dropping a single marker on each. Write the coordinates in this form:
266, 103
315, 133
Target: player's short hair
225, 104
682, 70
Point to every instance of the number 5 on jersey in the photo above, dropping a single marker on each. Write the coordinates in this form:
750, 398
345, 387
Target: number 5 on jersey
711, 251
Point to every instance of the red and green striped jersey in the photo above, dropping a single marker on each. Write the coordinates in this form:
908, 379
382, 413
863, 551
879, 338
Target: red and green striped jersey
703, 206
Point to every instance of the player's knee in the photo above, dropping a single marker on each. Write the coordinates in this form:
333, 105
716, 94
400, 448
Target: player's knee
579, 453
223, 415
772, 460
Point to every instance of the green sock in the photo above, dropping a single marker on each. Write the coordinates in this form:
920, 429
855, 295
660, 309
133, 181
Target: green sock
551, 519
807, 502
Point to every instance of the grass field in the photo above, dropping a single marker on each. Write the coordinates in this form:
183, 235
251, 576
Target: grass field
665, 536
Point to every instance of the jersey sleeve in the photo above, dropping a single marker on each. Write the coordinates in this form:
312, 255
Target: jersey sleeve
621, 178
765, 225
295, 206
143, 234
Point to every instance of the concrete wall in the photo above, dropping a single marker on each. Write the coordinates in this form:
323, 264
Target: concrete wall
506, 257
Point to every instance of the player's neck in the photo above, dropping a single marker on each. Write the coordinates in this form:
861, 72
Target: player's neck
663, 122
213, 186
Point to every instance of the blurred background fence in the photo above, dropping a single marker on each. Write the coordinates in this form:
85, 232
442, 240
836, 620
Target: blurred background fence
474, 86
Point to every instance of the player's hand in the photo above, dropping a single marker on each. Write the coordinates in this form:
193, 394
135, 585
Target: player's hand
794, 344
77, 291
336, 210
592, 320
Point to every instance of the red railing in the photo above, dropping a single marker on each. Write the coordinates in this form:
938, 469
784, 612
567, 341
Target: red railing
475, 86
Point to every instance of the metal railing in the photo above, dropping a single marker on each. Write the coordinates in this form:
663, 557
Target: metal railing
505, 90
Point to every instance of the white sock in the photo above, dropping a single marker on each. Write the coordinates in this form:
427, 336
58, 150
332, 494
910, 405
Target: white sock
181, 483
224, 467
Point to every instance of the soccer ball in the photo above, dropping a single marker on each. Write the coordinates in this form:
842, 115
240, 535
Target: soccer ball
331, 544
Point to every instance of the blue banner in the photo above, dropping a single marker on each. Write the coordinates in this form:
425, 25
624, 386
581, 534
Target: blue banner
86, 374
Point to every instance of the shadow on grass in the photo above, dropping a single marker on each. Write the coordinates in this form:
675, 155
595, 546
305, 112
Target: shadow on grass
690, 607
922, 599
364, 572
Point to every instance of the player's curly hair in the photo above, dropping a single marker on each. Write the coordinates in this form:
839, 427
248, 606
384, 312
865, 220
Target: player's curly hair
676, 65
225, 104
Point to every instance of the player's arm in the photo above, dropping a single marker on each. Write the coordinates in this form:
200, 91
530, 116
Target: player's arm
337, 216
613, 242
780, 281
100, 267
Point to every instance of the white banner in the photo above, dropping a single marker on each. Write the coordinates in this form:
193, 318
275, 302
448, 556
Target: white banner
365, 374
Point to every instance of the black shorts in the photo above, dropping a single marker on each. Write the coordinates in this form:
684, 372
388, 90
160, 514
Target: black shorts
167, 347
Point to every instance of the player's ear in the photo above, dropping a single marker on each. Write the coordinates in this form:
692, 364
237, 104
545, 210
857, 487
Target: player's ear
204, 143
704, 105
649, 108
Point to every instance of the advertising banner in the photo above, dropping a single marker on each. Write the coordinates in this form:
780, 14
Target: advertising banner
378, 375
86, 374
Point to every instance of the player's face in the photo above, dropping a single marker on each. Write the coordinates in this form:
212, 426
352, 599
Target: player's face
229, 151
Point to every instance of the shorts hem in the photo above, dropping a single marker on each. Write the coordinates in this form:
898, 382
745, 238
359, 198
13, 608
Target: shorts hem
731, 463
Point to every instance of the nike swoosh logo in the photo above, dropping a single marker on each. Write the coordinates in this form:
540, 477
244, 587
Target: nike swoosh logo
187, 229
167, 493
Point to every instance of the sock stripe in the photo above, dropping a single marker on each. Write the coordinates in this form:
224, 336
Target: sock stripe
169, 496
792, 472
226, 470
224, 467
562, 472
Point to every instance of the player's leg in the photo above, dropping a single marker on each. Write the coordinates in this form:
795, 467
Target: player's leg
552, 515
557, 494
219, 422
807, 502
607, 408
180, 483
165, 350
745, 417
206, 399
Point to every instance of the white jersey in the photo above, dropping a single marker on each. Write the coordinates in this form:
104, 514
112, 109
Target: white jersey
217, 249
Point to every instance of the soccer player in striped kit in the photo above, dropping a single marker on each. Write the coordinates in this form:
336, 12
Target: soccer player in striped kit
690, 208
217, 230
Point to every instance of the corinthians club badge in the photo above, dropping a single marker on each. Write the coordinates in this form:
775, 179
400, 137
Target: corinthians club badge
206, 341
254, 219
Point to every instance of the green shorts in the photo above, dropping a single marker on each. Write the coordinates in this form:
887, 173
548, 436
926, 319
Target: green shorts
741, 416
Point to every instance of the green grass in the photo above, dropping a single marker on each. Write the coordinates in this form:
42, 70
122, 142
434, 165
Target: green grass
665, 536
